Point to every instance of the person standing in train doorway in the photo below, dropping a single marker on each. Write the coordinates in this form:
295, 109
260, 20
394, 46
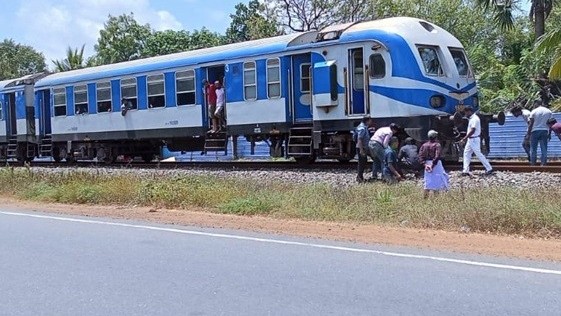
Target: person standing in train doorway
210, 96
472, 142
220, 105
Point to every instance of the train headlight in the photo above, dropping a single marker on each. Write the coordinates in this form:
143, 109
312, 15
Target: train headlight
437, 101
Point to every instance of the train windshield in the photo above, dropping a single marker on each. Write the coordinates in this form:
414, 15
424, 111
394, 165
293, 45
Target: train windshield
460, 61
431, 62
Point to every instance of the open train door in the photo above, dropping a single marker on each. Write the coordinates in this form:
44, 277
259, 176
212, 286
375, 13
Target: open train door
357, 89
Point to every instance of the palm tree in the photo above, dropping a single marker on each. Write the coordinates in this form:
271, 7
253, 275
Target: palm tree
74, 60
539, 11
550, 44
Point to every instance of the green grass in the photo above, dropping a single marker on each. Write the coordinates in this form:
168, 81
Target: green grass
494, 210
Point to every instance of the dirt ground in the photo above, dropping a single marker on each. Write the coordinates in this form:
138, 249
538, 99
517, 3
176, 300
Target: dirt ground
510, 246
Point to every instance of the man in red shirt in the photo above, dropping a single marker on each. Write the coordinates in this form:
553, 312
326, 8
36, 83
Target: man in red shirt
210, 96
554, 127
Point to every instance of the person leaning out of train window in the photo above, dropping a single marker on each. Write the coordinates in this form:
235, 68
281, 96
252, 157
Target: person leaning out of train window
519, 111
554, 127
220, 105
391, 172
435, 178
362, 137
378, 144
125, 106
538, 132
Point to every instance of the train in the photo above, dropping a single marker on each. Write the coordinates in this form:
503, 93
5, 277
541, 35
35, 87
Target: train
303, 93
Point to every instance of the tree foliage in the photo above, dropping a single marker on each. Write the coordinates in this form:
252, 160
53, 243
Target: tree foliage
122, 39
18, 60
250, 22
74, 60
166, 42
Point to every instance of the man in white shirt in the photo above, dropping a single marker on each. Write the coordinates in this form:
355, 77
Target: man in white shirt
472, 142
519, 111
220, 103
538, 131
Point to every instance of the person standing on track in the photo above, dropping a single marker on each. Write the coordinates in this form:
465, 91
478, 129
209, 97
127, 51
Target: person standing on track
538, 131
518, 111
554, 127
472, 142
362, 135
435, 179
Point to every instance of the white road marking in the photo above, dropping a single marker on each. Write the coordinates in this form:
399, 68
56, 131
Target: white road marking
295, 243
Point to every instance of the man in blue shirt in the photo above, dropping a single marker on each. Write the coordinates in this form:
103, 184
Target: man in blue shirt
391, 171
362, 137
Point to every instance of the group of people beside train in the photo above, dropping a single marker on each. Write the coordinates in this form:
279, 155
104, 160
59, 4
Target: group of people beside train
381, 145
540, 125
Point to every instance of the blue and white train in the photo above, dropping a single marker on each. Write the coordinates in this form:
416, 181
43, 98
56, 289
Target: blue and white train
304, 92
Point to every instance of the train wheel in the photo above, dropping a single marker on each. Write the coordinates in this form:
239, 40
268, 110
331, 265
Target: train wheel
147, 158
56, 154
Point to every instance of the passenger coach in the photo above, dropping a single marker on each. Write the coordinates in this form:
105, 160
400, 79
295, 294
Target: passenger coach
303, 92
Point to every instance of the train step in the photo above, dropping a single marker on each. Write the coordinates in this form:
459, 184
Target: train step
215, 142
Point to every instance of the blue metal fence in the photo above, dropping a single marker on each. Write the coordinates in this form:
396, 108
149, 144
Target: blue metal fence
244, 151
506, 140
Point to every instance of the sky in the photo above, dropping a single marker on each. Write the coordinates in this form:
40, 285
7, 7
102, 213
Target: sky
51, 26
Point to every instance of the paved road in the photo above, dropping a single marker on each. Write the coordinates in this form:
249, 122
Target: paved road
50, 266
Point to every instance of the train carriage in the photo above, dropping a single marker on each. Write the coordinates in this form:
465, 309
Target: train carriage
18, 134
304, 92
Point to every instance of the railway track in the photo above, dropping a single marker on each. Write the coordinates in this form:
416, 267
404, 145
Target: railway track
498, 165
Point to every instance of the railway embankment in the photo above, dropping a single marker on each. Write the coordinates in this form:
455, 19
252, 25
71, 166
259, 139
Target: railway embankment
520, 204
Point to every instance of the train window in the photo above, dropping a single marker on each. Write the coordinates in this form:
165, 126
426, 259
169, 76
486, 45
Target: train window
429, 57
128, 92
103, 97
59, 98
358, 71
81, 99
305, 77
249, 81
273, 78
1, 117
460, 61
156, 91
377, 66
185, 87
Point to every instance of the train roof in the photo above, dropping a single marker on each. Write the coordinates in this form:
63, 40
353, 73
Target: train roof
404, 27
199, 56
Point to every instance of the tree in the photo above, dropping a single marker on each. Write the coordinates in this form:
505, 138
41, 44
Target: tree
248, 23
205, 38
121, 39
503, 12
306, 15
18, 60
166, 42
550, 45
74, 60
